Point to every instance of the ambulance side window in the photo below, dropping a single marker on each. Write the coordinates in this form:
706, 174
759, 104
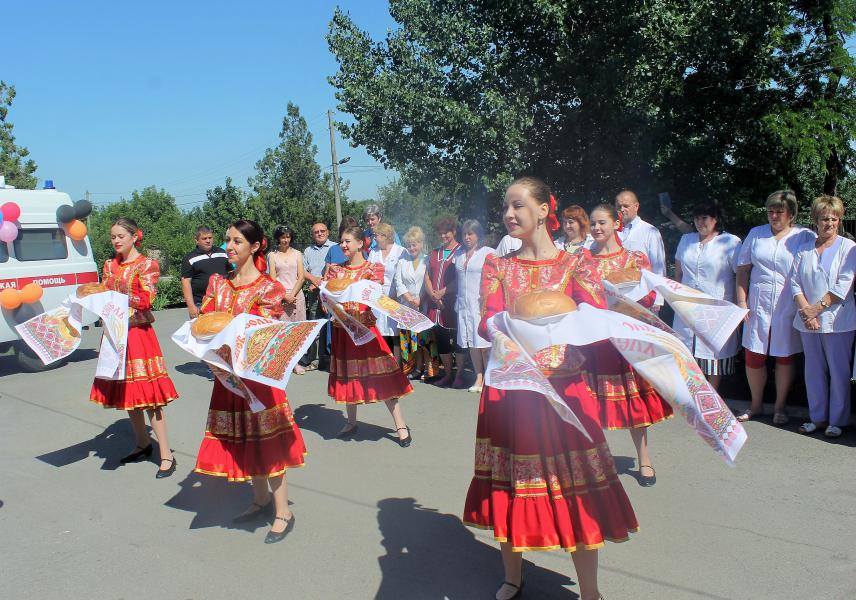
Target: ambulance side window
40, 244
4, 252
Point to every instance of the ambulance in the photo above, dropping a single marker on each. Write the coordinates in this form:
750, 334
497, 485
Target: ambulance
44, 254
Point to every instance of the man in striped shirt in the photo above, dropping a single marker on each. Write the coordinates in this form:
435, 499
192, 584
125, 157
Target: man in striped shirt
198, 266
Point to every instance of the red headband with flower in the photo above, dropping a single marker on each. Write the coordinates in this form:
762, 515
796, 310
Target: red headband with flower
553, 221
139, 237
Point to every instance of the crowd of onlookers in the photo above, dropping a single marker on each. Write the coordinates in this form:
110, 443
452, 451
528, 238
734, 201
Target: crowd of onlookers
796, 283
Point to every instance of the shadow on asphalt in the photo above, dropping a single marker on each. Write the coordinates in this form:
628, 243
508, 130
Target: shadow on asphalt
433, 555
848, 438
327, 422
195, 368
111, 445
215, 501
9, 363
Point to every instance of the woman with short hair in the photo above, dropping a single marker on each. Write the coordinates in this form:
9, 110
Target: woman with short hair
822, 289
388, 254
575, 230
441, 290
763, 265
468, 267
706, 261
285, 264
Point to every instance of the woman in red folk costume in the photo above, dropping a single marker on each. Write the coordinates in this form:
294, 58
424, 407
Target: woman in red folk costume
539, 483
147, 386
626, 400
239, 444
367, 373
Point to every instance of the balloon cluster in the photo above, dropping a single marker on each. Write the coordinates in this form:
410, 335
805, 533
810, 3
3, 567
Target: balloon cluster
69, 216
9, 213
10, 298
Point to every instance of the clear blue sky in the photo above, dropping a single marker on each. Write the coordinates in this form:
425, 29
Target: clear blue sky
115, 96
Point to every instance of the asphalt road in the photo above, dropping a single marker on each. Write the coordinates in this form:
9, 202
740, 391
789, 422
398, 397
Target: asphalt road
378, 521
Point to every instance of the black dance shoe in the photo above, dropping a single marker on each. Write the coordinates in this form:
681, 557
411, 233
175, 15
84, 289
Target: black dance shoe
518, 588
347, 432
137, 454
163, 474
273, 538
404, 443
647, 481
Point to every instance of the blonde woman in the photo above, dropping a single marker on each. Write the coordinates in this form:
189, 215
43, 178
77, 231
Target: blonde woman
387, 253
822, 289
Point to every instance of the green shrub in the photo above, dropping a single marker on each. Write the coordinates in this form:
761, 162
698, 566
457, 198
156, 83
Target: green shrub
169, 292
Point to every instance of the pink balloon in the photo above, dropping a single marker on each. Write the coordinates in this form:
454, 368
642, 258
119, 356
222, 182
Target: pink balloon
11, 211
8, 231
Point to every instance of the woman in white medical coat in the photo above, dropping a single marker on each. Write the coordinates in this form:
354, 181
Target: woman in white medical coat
763, 267
822, 289
707, 261
468, 266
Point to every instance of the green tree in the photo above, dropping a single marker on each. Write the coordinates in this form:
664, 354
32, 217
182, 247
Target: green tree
14, 165
718, 98
289, 186
224, 205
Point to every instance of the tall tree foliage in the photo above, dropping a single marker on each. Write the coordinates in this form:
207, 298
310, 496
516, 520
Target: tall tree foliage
223, 206
289, 186
722, 98
14, 164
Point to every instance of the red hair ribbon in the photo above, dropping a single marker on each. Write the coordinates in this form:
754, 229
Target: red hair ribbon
139, 238
619, 227
552, 220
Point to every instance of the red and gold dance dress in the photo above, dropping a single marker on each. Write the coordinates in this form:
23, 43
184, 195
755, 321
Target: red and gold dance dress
367, 373
625, 399
240, 444
539, 483
146, 383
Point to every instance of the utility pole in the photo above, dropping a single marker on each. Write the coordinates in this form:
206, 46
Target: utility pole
335, 170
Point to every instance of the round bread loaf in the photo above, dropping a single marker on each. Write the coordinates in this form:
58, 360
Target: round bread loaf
87, 289
207, 325
540, 304
338, 285
629, 275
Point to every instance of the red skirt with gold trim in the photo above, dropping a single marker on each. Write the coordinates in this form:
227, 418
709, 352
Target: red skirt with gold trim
146, 383
364, 374
539, 483
624, 399
240, 444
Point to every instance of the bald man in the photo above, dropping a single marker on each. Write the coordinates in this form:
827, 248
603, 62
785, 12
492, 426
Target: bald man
638, 234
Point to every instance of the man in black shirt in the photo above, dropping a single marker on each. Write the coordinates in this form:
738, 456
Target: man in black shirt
198, 266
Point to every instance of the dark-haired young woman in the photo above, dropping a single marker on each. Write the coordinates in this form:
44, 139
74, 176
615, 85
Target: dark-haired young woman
626, 400
707, 261
539, 483
147, 386
239, 444
368, 373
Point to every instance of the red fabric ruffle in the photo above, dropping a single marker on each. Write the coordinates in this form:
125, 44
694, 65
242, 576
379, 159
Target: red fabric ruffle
146, 383
364, 374
240, 444
539, 483
624, 399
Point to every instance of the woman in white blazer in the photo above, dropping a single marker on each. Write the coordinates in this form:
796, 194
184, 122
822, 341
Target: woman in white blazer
468, 265
765, 260
822, 289
387, 253
706, 261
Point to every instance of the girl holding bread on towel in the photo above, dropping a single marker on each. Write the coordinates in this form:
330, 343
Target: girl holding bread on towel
239, 444
539, 482
625, 399
147, 387
368, 373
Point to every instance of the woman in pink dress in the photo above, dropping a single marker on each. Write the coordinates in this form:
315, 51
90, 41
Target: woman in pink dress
285, 265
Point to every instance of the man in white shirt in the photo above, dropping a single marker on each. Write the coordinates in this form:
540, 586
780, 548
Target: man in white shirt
507, 245
638, 234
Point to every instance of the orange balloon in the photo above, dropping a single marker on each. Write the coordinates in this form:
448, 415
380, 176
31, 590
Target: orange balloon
32, 292
76, 230
10, 298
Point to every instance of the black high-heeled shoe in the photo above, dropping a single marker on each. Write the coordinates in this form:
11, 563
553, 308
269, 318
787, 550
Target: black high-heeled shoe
273, 538
348, 432
404, 443
163, 474
137, 454
519, 589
